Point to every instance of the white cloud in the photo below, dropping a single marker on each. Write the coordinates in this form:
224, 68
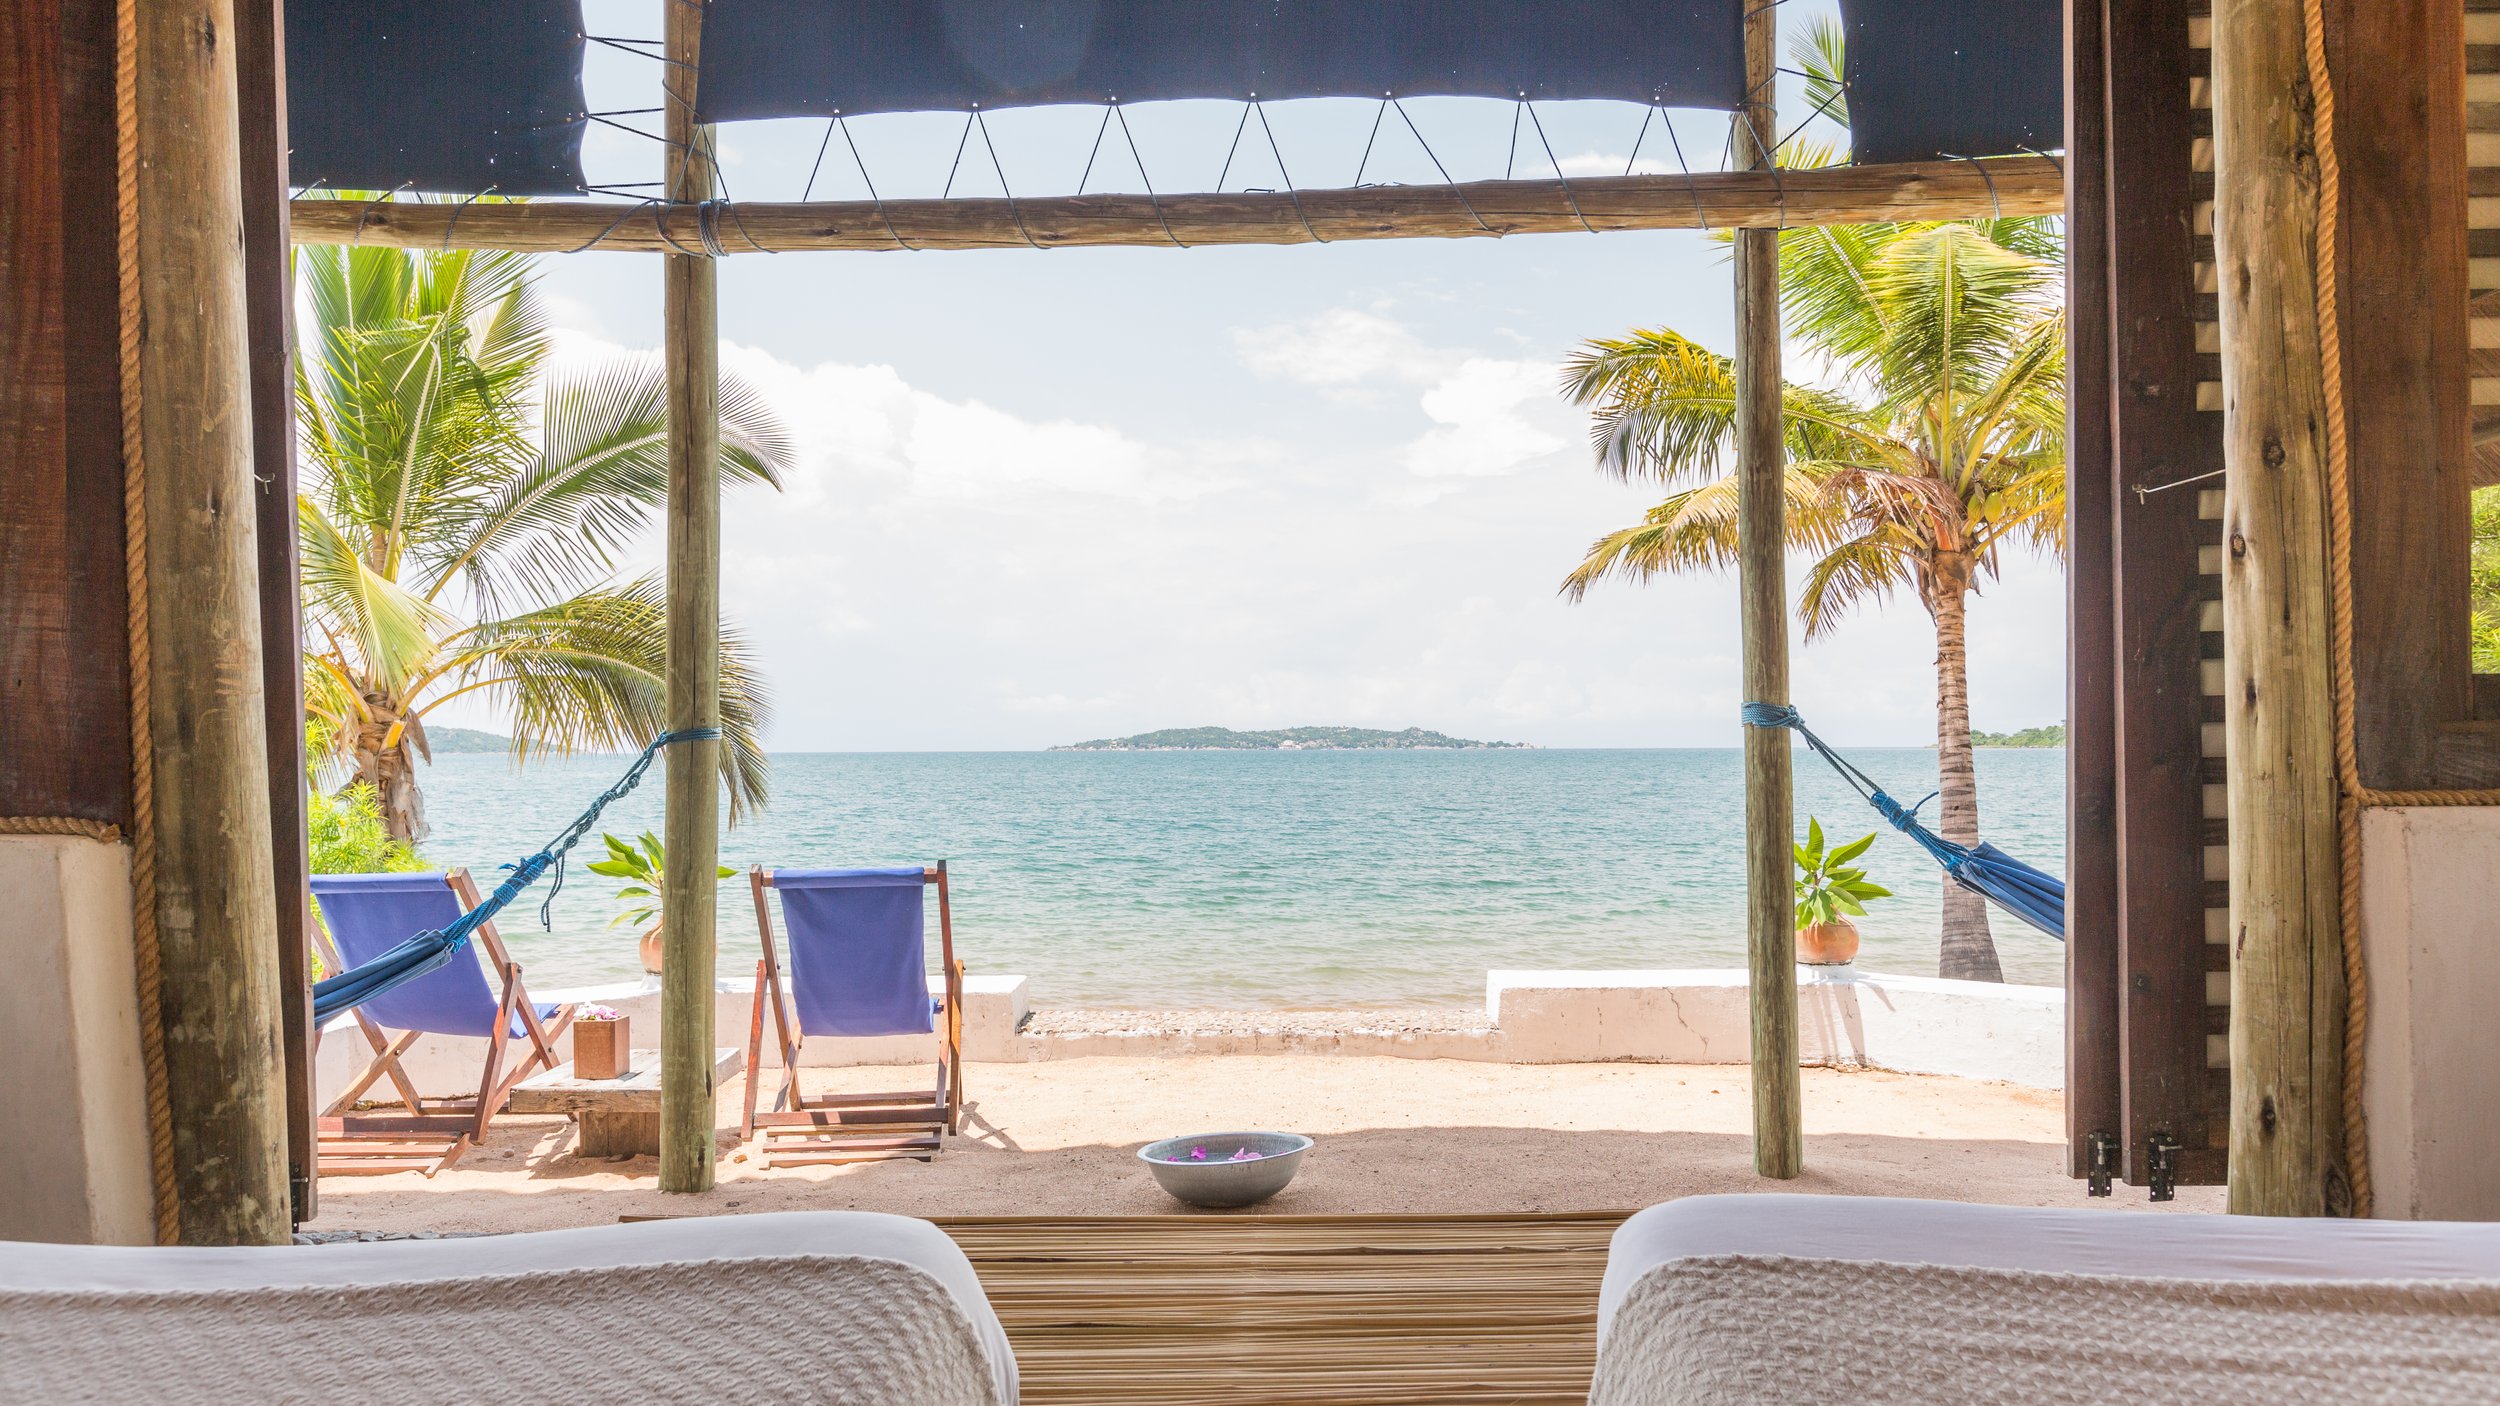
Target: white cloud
1338, 347
1487, 420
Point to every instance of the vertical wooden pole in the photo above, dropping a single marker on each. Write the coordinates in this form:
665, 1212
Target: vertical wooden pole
2092, 971
1761, 467
216, 920
2287, 980
692, 330
269, 284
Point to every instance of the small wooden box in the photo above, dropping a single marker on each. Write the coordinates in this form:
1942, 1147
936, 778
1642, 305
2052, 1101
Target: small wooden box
602, 1049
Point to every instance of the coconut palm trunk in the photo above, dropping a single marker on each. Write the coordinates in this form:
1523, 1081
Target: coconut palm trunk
1969, 951
384, 765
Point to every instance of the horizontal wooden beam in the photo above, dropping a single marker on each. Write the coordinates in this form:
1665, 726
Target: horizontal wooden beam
1936, 190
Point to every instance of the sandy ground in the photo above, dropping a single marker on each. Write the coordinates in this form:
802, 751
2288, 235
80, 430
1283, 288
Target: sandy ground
1395, 1135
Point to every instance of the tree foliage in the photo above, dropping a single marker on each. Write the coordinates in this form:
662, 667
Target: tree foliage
466, 499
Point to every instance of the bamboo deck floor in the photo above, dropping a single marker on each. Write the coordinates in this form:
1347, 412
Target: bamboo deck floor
1253, 1310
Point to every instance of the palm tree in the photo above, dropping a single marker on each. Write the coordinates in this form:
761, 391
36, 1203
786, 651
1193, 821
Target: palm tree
1943, 440
462, 507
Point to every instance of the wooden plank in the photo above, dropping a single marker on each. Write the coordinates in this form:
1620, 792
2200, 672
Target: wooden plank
64, 672
1761, 468
557, 1090
2157, 438
260, 61
1266, 1310
2020, 185
216, 919
2287, 973
692, 336
2402, 285
2092, 978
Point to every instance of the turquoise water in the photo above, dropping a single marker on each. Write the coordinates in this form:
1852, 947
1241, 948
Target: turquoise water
1271, 879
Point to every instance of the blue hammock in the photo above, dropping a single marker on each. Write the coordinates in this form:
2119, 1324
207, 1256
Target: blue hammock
431, 949
2036, 898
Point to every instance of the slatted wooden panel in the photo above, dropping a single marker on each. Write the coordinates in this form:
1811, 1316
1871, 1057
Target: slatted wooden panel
1272, 1310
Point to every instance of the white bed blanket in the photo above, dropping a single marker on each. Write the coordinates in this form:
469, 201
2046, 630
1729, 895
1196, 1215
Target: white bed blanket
822, 1307
1744, 1299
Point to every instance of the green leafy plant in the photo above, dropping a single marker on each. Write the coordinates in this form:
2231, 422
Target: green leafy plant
349, 837
643, 864
1828, 888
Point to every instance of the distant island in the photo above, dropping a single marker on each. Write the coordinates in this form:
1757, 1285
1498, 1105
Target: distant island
2054, 735
464, 739
1288, 739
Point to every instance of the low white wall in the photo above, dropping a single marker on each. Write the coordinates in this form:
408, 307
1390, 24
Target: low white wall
74, 1165
1914, 1024
1921, 1025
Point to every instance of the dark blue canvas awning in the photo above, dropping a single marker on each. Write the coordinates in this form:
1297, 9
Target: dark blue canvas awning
456, 96
790, 58
1930, 78
464, 96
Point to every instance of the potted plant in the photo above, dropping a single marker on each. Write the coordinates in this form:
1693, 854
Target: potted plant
644, 865
1829, 893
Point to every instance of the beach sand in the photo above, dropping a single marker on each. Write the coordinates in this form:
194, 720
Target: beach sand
1395, 1135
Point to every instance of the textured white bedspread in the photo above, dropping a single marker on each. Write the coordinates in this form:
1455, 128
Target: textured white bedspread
1743, 1299
834, 1306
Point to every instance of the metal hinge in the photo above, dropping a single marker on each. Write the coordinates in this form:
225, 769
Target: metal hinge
2100, 1151
2161, 1166
298, 1196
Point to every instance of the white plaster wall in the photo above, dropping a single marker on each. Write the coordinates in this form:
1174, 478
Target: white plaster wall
1921, 1025
74, 1166
2431, 1053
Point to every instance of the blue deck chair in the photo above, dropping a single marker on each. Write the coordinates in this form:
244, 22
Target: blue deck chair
858, 968
367, 915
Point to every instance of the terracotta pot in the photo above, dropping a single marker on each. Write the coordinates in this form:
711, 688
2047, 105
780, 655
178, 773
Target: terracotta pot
651, 949
1829, 944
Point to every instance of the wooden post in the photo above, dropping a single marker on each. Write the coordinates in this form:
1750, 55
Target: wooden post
692, 330
216, 917
270, 286
2287, 980
2093, 983
1761, 467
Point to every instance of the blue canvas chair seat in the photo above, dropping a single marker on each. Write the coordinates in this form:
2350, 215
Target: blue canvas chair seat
858, 969
478, 997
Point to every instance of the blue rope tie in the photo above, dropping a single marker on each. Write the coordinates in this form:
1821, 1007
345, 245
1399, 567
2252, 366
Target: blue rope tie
431, 949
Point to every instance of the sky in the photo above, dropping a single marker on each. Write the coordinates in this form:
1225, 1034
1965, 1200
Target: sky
1042, 497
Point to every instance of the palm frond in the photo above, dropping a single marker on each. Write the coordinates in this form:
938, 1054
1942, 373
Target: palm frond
1666, 407
1868, 567
344, 596
556, 522
1821, 53
591, 673
1955, 302
1696, 530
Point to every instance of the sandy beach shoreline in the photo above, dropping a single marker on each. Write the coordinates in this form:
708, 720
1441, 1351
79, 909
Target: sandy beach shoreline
1395, 1135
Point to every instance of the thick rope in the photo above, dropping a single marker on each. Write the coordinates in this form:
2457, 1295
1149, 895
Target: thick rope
59, 825
135, 569
2339, 557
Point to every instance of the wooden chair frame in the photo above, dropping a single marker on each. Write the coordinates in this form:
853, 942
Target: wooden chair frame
433, 1133
838, 1128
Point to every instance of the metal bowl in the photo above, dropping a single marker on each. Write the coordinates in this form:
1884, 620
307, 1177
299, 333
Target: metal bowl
1218, 1180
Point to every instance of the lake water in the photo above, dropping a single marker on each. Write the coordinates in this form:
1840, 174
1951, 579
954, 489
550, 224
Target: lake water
1269, 879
